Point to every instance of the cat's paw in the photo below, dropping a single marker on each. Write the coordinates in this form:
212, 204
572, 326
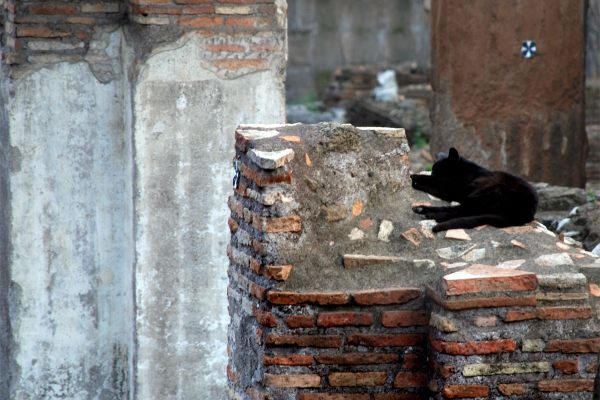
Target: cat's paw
437, 228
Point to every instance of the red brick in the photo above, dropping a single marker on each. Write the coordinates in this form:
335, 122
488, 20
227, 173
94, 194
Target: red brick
404, 380
374, 340
231, 375
573, 346
255, 265
300, 321
272, 48
475, 347
482, 302
445, 371
465, 391
53, 9
192, 1
23, 31
156, 10
201, 22
258, 177
386, 296
295, 298
413, 361
344, 318
248, 22
564, 386
151, 1
332, 396
258, 247
235, 206
332, 341
235, 64
278, 272
561, 313
233, 225
393, 319
357, 358
292, 380
81, 20
291, 360
256, 394
228, 48
397, 396
257, 291
514, 316
566, 366
265, 318
291, 223
357, 378
513, 389
485, 278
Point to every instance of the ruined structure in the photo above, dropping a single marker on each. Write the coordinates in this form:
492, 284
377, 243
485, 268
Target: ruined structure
115, 169
507, 111
337, 290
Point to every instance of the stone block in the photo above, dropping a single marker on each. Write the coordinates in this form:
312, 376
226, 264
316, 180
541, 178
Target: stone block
484, 278
470, 370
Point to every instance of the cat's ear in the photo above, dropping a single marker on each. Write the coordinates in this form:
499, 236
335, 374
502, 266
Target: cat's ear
441, 156
453, 154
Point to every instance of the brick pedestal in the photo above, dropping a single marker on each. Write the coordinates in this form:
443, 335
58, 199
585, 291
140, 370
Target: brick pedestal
338, 291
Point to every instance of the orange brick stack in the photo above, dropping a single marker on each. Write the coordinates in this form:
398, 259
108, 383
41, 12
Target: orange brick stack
497, 333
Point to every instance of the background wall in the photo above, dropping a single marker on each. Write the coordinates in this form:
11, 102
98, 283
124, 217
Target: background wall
326, 34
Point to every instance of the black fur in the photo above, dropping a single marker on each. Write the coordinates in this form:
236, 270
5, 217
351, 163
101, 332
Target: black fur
488, 197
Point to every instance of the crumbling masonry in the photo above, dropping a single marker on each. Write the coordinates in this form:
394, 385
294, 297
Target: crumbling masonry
338, 291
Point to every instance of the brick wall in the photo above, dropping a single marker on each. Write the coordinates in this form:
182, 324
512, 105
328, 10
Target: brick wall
513, 342
309, 329
239, 35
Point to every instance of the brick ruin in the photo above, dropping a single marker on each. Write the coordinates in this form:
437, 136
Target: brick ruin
338, 291
238, 36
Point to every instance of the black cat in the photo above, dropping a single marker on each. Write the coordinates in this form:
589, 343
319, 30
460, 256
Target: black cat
486, 197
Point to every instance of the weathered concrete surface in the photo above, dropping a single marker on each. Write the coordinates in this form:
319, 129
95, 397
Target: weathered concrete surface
184, 116
5, 330
327, 34
507, 112
71, 237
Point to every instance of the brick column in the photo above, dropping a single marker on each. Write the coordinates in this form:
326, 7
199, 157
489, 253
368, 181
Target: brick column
295, 333
524, 115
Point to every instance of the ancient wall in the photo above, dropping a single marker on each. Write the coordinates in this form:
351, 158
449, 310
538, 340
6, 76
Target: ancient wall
114, 179
524, 115
327, 34
338, 290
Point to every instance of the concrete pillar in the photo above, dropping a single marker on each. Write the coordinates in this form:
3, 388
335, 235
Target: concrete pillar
184, 111
71, 245
524, 115
115, 164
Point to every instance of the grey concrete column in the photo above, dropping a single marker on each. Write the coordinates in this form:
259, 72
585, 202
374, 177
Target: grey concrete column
70, 233
185, 113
